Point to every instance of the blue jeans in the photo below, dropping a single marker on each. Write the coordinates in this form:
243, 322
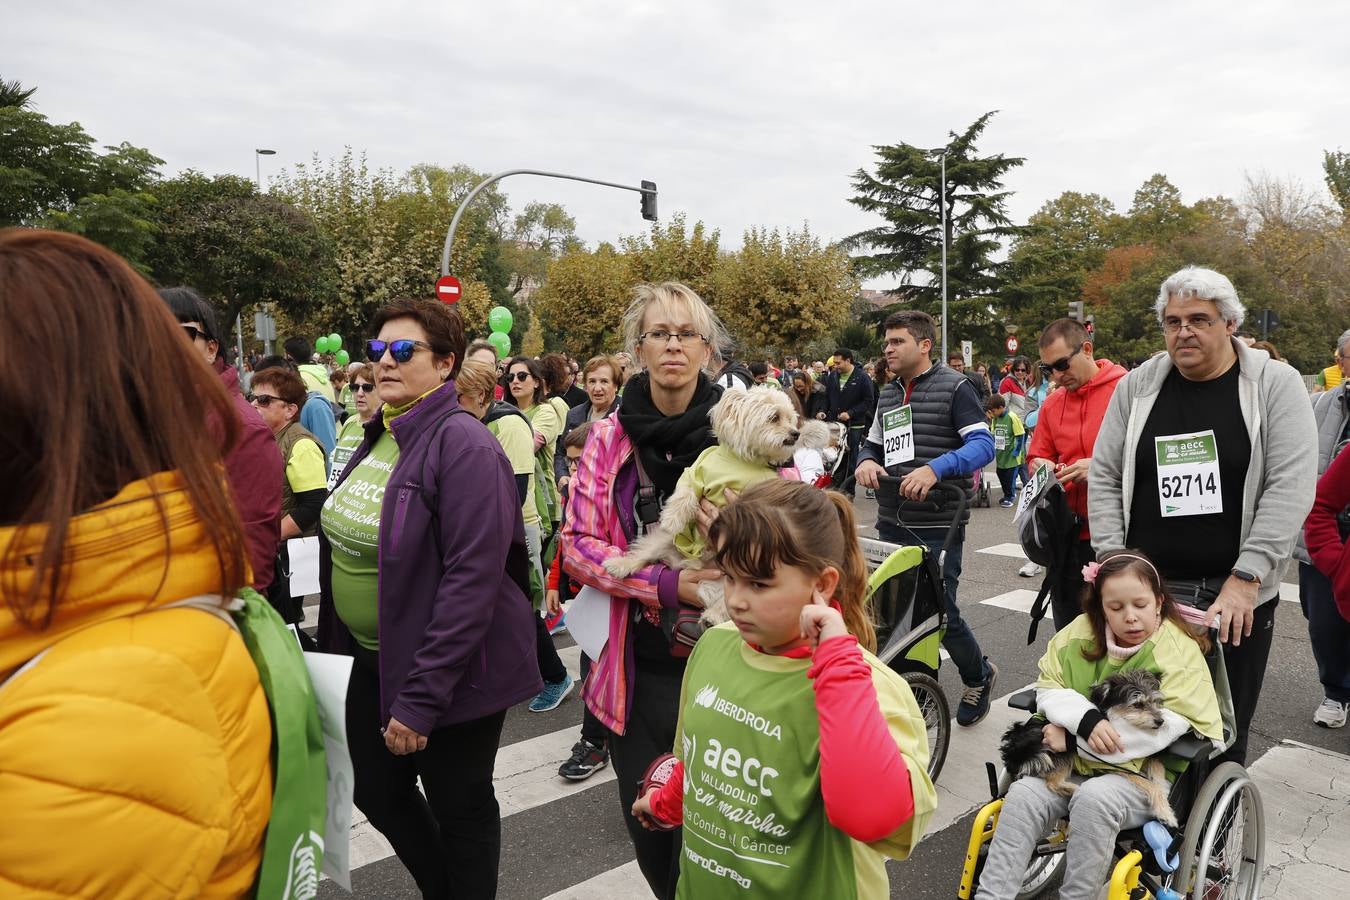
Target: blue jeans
1329, 632
959, 640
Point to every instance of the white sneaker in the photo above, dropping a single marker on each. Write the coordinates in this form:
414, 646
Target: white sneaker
1030, 570
1331, 714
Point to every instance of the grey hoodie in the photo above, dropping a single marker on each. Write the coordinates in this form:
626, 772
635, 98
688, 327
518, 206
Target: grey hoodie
1281, 476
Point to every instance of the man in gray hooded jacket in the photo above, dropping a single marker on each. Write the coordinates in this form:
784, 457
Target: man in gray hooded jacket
1205, 463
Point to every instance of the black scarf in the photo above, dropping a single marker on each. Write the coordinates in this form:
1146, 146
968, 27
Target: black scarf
667, 445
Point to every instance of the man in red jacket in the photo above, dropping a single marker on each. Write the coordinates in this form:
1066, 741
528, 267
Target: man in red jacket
1065, 434
253, 467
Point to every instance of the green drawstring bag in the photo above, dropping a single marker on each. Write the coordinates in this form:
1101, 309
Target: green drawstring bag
293, 848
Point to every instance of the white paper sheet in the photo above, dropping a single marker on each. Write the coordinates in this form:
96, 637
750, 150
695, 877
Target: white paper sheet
588, 620
329, 674
304, 554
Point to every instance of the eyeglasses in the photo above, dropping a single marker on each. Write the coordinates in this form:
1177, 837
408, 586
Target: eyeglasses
573, 461
264, 399
518, 376
363, 388
1019, 371
1059, 365
401, 351
1195, 323
661, 336
193, 332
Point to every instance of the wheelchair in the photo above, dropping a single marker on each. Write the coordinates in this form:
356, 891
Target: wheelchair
904, 593
1220, 852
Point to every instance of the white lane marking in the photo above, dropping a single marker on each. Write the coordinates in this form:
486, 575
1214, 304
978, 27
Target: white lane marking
620, 883
1012, 551
1019, 600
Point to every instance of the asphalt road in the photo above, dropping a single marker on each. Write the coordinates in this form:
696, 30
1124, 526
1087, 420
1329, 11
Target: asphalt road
572, 835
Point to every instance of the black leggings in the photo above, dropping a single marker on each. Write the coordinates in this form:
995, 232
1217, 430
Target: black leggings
450, 839
550, 664
650, 732
1246, 668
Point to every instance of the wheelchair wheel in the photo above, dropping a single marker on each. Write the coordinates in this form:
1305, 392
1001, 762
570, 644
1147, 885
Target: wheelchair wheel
1045, 873
1223, 850
936, 716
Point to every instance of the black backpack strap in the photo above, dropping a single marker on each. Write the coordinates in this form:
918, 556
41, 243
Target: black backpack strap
648, 498
1038, 606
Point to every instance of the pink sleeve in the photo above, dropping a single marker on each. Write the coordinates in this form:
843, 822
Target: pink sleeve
668, 800
863, 776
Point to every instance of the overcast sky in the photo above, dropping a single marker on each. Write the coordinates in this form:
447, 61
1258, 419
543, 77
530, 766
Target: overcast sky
744, 113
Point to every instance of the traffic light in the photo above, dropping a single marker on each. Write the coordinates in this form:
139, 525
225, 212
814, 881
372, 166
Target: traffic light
1270, 320
1076, 310
649, 200
1089, 323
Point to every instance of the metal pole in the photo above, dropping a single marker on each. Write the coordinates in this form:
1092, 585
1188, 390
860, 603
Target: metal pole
454, 222
942, 194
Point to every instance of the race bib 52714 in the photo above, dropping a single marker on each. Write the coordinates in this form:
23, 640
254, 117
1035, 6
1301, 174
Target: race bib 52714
1188, 474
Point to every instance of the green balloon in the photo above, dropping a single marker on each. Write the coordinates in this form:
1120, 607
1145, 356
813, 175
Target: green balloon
343, 357
501, 341
334, 342
321, 344
500, 319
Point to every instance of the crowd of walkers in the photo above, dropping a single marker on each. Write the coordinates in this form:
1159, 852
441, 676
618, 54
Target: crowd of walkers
459, 502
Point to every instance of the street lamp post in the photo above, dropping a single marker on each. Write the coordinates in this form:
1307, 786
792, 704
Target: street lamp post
647, 190
258, 154
942, 199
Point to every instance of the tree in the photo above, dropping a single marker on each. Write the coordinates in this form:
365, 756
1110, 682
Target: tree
52, 177
12, 93
583, 300
781, 291
907, 192
1336, 165
674, 252
540, 234
388, 232
240, 248
1065, 239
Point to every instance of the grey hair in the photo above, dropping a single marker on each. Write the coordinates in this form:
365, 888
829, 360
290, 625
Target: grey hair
1342, 341
1202, 284
671, 293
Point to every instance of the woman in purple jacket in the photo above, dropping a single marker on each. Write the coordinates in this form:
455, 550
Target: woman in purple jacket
423, 579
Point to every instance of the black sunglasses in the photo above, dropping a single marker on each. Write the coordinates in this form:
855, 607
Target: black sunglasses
518, 376
1059, 365
193, 332
363, 388
264, 399
401, 350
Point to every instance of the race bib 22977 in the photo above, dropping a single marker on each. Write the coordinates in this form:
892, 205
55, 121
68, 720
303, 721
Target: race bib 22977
897, 435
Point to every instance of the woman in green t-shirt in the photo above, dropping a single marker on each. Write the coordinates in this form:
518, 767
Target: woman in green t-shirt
366, 404
526, 388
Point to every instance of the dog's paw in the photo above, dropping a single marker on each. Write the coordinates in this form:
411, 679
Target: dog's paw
622, 566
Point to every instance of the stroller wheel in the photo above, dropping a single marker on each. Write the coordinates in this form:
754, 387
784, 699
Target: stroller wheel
936, 716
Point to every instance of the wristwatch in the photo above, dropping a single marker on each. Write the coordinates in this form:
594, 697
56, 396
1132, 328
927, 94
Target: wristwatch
1246, 576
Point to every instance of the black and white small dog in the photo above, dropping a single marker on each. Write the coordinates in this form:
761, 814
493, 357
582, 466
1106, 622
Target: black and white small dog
1132, 698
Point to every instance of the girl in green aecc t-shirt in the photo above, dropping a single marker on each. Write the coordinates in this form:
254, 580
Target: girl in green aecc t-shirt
801, 758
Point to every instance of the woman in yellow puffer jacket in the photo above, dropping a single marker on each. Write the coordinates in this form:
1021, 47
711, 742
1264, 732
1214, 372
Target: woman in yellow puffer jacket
134, 739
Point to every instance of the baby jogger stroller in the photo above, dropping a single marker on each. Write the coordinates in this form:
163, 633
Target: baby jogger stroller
905, 594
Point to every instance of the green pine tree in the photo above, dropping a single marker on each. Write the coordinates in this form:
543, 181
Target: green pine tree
906, 192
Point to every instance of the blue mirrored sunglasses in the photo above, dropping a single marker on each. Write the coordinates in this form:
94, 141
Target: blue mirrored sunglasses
401, 351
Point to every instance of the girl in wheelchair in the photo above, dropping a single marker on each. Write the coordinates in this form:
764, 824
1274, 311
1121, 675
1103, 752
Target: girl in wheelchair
802, 758
1128, 623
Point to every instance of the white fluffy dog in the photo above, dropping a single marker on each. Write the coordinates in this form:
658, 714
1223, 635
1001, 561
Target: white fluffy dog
756, 429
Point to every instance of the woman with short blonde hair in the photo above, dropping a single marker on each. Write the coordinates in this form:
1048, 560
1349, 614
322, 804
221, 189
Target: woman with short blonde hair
661, 426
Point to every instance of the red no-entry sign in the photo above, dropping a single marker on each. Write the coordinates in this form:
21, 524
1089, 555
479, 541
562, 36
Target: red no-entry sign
447, 289
1011, 344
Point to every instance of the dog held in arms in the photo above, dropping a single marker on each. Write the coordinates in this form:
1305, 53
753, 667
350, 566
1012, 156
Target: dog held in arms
757, 430
1130, 700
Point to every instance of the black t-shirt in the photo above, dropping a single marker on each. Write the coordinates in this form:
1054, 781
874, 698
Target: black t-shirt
1198, 546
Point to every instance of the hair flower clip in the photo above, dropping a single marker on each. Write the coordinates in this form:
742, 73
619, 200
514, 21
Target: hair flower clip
1090, 572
